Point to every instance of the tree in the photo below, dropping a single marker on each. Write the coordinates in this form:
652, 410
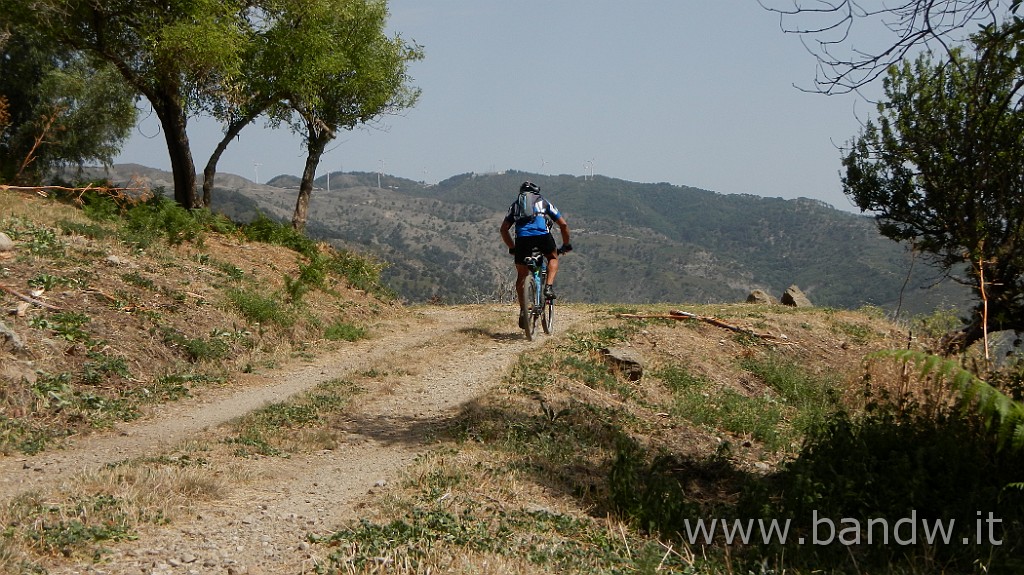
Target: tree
943, 168
175, 53
892, 32
337, 70
255, 89
60, 109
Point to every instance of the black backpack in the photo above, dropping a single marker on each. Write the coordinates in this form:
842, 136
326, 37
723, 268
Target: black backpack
525, 209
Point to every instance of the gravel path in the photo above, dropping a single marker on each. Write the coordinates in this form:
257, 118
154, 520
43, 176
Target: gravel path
262, 528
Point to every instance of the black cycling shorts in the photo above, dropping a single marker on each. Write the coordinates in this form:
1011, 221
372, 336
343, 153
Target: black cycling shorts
525, 245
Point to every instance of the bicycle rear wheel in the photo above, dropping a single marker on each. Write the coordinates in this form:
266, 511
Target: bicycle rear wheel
547, 316
530, 295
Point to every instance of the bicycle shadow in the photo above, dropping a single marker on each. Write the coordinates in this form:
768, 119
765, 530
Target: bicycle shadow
494, 336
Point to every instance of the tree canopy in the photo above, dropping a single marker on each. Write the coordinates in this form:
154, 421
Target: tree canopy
59, 108
326, 62
174, 53
943, 168
338, 69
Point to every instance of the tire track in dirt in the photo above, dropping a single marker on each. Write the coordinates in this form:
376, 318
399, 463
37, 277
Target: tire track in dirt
262, 528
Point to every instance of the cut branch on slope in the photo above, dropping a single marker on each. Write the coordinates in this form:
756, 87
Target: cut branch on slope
679, 315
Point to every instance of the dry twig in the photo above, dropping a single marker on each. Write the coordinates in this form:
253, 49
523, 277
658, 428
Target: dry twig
29, 299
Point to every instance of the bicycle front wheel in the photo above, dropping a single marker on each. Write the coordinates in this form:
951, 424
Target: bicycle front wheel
530, 295
547, 316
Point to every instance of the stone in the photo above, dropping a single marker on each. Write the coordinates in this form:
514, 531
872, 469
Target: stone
795, 298
627, 362
760, 297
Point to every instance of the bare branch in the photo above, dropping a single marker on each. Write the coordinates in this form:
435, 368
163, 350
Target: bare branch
827, 32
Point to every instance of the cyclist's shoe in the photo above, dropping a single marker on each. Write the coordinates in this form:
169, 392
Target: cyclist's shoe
524, 319
549, 292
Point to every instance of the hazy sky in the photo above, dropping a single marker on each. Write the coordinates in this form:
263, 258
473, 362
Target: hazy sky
694, 92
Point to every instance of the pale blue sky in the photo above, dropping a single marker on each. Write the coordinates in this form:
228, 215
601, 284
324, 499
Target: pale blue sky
691, 92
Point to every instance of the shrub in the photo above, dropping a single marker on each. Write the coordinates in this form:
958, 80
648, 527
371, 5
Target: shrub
266, 230
257, 308
344, 331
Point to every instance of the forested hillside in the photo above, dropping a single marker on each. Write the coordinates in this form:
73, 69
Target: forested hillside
634, 242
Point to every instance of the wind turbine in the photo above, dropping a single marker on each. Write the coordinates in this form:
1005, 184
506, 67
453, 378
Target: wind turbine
542, 163
256, 167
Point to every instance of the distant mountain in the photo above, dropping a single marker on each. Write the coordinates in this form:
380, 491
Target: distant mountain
634, 242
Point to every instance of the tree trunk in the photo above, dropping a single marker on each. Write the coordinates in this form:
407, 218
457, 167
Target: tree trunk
1004, 314
314, 150
183, 169
210, 172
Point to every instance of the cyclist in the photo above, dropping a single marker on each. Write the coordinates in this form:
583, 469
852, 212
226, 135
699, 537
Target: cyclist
533, 233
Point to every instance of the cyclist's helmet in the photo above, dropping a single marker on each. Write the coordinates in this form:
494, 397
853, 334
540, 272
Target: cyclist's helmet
528, 187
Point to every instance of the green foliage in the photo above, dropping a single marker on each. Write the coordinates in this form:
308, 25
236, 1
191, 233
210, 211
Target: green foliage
160, 217
56, 393
939, 168
265, 230
62, 108
1002, 415
344, 331
198, 349
339, 69
138, 280
66, 324
101, 365
262, 431
362, 272
803, 401
649, 492
552, 542
257, 308
77, 527
937, 323
170, 387
49, 281
100, 207
39, 240
91, 231
813, 397
892, 465
26, 436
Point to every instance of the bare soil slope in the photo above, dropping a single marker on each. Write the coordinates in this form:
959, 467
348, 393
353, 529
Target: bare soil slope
100, 323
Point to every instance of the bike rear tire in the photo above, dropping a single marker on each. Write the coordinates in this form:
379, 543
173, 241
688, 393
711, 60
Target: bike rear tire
530, 295
547, 316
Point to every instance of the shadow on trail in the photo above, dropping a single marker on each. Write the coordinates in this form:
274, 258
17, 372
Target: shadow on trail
502, 336
851, 470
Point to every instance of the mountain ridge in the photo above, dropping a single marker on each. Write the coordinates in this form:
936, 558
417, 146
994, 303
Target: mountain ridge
635, 242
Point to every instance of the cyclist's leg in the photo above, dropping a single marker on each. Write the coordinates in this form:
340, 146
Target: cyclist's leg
551, 253
552, 268
522, 272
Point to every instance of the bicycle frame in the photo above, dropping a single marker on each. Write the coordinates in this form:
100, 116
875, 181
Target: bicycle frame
539, 307
538, 265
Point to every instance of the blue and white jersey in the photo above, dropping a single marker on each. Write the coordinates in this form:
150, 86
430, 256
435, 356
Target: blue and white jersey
538, 226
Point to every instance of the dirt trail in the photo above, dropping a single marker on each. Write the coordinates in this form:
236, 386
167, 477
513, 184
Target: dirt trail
261, 529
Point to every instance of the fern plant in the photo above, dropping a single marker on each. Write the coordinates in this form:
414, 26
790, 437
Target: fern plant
1001, 413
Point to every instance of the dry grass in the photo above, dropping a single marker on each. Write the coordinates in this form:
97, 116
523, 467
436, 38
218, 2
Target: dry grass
129, 318
89, 510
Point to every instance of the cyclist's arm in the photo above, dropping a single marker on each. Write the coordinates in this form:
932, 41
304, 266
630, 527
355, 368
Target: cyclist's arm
506, 235
563, 227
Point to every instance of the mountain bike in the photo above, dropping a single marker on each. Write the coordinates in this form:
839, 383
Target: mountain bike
537, 306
